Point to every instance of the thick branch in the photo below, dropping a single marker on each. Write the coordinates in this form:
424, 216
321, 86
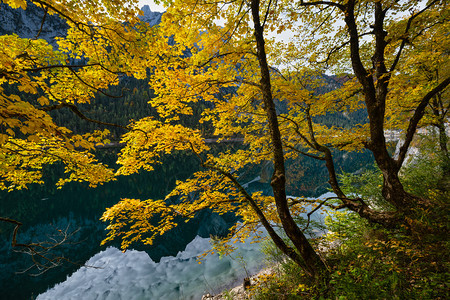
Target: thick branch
329, 3
327, 157
378, 60
262, 218
358, 67
387, 219
418, 114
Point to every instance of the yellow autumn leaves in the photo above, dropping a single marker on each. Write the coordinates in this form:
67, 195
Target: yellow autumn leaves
203, 54
37, 77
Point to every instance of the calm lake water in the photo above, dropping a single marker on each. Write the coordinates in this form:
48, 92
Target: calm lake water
43, 210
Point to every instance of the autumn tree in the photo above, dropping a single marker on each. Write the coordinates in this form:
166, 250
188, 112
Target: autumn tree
39, 76
258, 90
204, 48
427, 64
381, 53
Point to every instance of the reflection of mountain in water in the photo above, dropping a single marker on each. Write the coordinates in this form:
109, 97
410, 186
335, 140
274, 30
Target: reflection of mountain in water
133, 275
44, 209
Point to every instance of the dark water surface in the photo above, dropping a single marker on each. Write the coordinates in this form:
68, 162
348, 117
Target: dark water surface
44, 210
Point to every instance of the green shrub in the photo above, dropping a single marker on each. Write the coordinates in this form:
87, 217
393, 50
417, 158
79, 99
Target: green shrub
367, 261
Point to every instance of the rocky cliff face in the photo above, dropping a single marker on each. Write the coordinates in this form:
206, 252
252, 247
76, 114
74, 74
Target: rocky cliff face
27, 23
151, 17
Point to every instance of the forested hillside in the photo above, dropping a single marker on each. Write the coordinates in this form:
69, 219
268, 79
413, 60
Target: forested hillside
129, 100
134, 105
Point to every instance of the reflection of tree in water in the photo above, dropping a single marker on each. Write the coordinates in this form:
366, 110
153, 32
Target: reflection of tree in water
42, 252
308, 177
80, 234
44, 210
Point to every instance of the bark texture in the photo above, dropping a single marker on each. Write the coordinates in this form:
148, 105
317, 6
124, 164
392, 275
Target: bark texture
313, 265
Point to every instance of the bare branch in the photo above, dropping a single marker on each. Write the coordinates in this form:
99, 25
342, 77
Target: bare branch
41, 253
42, 22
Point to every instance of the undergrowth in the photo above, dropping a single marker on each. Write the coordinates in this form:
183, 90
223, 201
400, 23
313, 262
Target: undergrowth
369, 262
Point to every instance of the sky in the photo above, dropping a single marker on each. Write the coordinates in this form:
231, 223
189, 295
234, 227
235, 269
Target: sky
153, 6
160, 8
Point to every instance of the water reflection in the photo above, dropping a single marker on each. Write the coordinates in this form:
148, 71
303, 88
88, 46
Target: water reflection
44, 210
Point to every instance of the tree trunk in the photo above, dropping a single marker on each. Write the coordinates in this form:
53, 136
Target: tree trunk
313, 263
439, 113
444, 182
375, 88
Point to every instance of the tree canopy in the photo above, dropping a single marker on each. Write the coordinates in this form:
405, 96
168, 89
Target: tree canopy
375, 47
390, 56
37, 78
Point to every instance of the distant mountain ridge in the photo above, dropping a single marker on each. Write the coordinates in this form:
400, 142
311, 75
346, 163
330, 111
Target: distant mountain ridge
27, 23
151, 17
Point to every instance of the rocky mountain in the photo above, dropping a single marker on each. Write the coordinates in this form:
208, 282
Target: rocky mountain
27, 23
151, 17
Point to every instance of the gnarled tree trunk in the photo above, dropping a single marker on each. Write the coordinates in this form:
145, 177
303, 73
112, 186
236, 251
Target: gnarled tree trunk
312, 262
